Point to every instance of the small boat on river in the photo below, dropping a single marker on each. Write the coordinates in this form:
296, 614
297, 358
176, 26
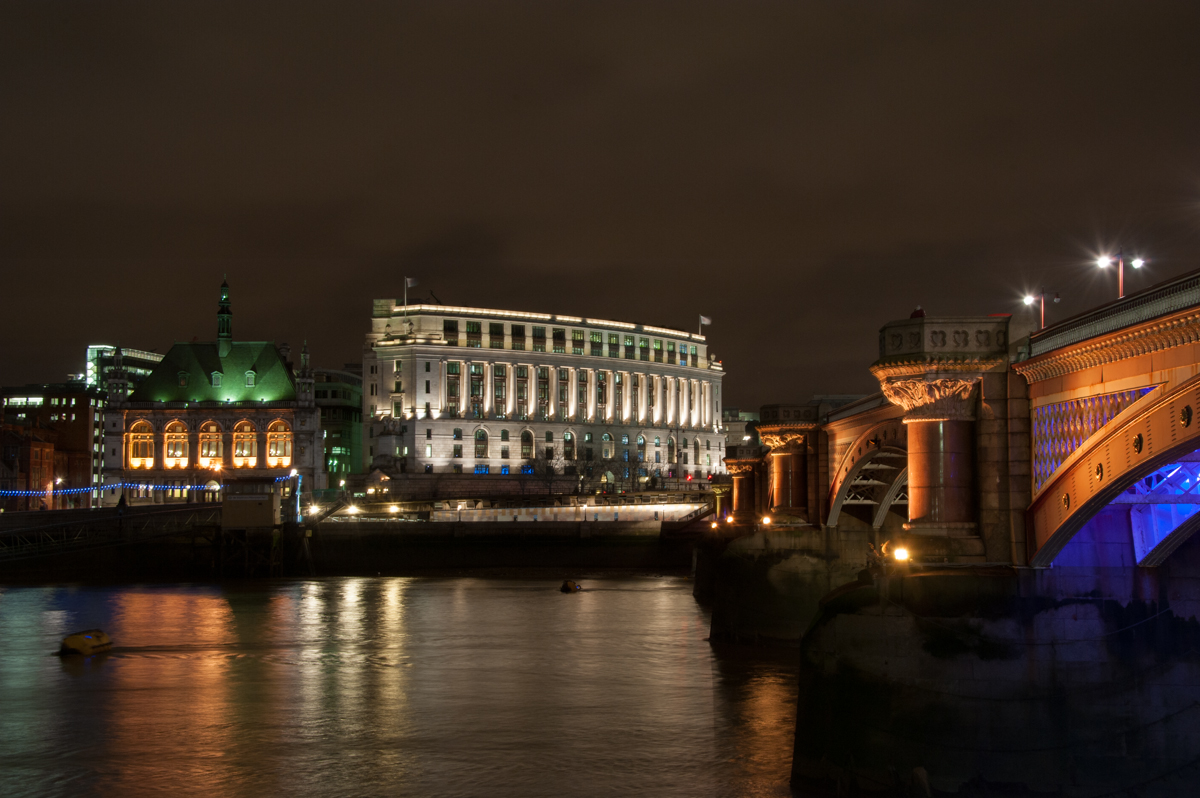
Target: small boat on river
569, 587
87, 642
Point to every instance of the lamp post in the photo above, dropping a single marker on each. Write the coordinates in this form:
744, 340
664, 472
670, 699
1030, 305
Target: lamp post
1104, 261
1040, 298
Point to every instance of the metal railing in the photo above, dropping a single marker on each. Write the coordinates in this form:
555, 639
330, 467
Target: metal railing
110, 529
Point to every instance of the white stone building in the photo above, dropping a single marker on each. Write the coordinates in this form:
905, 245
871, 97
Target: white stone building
484, 391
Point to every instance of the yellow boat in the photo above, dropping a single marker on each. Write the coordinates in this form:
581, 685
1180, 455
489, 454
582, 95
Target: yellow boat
87, 642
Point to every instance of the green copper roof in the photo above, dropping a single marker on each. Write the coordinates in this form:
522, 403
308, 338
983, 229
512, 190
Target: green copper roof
195, 364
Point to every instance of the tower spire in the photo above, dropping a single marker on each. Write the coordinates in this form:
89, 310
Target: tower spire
224, 322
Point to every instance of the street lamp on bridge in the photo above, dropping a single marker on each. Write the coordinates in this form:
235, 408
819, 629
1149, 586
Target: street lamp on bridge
1104, 261
1040, 297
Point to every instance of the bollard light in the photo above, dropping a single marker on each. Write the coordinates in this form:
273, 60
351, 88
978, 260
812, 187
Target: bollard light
766, 519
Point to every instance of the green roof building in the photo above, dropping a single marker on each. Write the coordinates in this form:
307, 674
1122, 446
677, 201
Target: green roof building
208, 412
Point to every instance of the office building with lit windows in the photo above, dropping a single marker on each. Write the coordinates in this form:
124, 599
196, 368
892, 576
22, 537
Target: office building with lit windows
484, 391
208, 414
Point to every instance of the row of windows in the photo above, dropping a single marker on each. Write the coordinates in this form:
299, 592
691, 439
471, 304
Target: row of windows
215, 379
581, 342
176, 445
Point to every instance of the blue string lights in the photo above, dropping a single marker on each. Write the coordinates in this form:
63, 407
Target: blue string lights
114, 486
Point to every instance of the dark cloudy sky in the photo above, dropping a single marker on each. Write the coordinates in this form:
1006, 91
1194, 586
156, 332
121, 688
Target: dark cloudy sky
800, 172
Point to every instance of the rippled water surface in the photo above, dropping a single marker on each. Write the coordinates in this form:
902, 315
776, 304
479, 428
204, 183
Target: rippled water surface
419, 686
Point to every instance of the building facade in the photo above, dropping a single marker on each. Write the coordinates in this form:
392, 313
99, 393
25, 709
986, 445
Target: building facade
486, 391
70, 413
103, 359
209, 413
339, 400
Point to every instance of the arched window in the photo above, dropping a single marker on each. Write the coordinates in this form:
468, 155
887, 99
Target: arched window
606, 449
481, 444
606, 437
657, 441
568, 446
696, 441
549, 436
279, 445
175, 442
641, 448
670, 450
245, 445
250, 379
625, 440
527, 445
211, 448
141, 445
504, 435
641, 439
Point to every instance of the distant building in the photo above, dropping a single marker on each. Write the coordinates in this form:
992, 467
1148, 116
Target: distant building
70, 414
103, 359
485, 391
27, 467
739, 427
208, 413
339, 399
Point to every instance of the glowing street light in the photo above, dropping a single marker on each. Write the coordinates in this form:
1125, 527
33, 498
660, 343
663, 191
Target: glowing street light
900, 554
1040, 298
1104, 261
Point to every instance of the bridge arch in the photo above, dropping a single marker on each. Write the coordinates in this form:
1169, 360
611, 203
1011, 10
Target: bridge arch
1129, 496
879, 478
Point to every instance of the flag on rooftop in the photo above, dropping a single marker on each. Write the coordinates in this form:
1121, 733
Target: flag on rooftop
706, 320
410, 282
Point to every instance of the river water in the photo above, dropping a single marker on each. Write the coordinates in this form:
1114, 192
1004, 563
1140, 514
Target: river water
388, 686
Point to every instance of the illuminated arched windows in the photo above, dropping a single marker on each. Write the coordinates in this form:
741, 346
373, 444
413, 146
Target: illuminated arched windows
175, 442
211, 447
279, 445
141, 445
568, 446
245, 445
481, 444
527, 445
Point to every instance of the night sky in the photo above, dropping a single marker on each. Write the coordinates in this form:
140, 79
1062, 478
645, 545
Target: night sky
802, 173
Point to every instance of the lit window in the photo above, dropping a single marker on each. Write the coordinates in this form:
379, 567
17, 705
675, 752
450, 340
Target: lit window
279, 445
249, 379
245, 445
141, 445
175, 440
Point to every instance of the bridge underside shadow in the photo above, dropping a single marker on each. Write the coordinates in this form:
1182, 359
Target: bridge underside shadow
1143, 525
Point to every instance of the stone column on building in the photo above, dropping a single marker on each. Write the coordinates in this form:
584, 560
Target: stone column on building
510, 390
488, 387
553, 404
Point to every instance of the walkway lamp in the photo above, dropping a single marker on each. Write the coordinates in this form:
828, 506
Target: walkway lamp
1104, 261
1040, 298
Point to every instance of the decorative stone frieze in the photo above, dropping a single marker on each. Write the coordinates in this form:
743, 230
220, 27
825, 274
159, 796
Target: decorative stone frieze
1178, 330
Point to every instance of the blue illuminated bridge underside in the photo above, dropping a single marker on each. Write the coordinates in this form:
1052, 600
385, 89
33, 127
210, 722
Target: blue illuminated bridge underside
1142, 525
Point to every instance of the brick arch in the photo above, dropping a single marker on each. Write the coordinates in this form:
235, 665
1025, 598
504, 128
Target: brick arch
1146, 458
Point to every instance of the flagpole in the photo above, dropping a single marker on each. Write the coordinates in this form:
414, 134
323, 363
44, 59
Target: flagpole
406, 297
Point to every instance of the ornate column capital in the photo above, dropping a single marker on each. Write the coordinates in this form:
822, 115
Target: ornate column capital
933, 389
740, 469
784, 438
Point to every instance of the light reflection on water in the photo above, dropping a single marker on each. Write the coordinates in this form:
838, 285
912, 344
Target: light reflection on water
463, 686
